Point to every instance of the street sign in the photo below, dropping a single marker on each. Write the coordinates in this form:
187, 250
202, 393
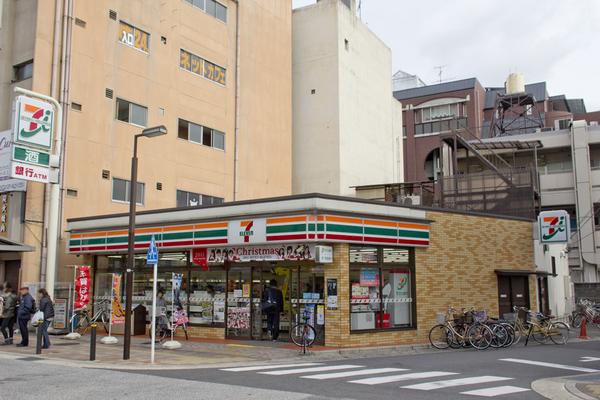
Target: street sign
33, 122
6, 183
152, 256
31, 156
554, 226
30, 172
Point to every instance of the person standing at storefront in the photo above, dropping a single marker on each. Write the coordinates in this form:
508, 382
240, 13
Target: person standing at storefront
9, 314
48, 309
272, 306
24, 313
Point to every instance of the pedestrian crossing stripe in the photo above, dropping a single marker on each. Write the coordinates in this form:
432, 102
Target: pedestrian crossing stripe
404, 377
456, 382
267, 367
311, 369
496, 391
346, 374
549, 365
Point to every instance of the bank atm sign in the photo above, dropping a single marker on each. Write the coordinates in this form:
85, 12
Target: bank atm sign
554, 226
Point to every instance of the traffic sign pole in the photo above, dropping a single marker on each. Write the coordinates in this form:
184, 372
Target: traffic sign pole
152, 258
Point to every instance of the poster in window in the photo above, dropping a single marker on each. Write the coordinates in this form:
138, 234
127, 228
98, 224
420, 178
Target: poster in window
332, 294
369, 277
185, 60
196, 65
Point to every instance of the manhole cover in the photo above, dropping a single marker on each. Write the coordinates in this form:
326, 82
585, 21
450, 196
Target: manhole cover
29, 359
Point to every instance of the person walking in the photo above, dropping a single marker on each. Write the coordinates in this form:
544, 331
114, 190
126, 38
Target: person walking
9, 314
272, 305
24, 312
2, 294
47, 308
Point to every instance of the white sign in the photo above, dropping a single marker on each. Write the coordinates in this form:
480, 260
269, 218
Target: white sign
33, 122
152, 256
28, 172
60, 314
247, 231
324, 254
7, 184
554, 226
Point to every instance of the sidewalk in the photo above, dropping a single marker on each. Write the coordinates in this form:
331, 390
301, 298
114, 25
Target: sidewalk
579, 387
195, 353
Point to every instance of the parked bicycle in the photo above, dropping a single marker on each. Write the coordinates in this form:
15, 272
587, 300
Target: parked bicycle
167, 323
303, 334
460, 330
81, 319
542, 328
588, 310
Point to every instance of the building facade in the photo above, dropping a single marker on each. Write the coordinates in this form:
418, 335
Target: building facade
217, 74
364, 273
346, 129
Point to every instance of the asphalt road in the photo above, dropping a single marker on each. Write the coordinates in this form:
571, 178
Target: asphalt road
464, 374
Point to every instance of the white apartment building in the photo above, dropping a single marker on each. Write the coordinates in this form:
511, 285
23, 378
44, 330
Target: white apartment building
347, 127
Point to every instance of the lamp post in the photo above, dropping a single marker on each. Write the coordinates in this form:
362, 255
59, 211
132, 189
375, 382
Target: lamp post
149, 133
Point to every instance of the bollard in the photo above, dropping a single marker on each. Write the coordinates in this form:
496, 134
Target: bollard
93, 342
38, 341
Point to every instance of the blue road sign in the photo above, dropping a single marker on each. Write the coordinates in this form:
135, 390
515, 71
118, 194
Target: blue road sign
152, 257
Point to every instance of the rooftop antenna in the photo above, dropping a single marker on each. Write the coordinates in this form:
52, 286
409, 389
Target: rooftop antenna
440, 69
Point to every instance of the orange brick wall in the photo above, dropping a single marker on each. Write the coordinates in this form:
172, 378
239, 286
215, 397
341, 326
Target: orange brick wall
457, 269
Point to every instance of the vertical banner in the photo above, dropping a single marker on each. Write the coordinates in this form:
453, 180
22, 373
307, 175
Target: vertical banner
177, 279
82, 286
117, 314
332, 294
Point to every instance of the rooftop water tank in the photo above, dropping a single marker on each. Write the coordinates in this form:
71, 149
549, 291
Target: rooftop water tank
515, 83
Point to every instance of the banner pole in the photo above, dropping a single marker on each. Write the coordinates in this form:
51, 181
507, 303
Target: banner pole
73, 300
172, 305
112, 300
153, 335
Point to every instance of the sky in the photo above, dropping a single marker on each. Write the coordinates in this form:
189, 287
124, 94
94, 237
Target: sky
557, 41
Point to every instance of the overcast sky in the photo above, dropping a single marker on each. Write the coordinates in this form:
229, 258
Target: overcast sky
557, 41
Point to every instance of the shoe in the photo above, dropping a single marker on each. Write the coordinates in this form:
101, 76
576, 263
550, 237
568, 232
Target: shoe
22, 345
45, 347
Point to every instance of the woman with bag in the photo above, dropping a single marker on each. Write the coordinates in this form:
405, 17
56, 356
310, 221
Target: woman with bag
47, 308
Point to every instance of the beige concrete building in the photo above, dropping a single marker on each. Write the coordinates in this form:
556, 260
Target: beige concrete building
216, 74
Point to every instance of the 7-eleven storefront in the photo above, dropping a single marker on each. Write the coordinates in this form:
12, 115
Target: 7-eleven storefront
352, 266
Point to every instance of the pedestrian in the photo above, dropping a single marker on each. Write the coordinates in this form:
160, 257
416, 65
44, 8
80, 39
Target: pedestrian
47, 308
272, 305
9, 314
24, 312
2, 294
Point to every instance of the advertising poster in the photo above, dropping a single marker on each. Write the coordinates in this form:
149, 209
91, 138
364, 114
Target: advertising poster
320, 314
177, 280
290, 252
332, 294
60, 314
82, 286
369, 277
118, 315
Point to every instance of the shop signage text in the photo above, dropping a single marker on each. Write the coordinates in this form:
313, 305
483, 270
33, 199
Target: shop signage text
290, 252
6, 183
554, 226
30, 172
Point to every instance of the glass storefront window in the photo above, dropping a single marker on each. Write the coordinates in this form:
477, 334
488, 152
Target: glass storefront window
207, 296
381, 293
364, 255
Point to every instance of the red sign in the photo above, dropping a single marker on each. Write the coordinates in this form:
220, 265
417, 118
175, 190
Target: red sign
82, 286
199, 257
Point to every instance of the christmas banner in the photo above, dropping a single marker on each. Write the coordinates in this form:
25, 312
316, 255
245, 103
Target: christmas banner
118, 315
82, 286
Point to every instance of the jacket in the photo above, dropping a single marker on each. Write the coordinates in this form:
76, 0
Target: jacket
273, 295
10, 305
47, 307
26, 307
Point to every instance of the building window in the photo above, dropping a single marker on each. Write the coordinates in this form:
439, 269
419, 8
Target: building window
564, 123
132, 113
201, 134
211, 7
133, 37
382, 288
207, 296
121, 188
190, 199
199, 66
23, 71
444, 111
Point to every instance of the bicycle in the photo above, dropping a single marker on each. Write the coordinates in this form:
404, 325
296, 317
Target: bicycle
542, 328
81, 321
460, 331
303, 334
519, 325
167, 324
588, 310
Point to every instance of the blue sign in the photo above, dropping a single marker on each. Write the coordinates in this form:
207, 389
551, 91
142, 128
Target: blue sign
152, 257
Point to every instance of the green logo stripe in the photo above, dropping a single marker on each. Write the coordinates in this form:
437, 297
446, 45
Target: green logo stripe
210, 233
344, 228
413, 234
380, 231
286, 228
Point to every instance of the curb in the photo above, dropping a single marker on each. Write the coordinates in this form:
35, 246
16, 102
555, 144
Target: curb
562, 388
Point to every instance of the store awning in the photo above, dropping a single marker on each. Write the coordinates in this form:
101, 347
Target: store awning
519, 272
7, 245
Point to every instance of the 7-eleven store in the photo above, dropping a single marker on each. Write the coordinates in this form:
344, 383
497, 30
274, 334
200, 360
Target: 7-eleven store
364, 272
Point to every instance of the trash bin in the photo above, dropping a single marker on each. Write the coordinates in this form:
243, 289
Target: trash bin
139, 320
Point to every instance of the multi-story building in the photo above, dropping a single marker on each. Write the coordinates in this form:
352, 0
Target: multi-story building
217, 74
346, 123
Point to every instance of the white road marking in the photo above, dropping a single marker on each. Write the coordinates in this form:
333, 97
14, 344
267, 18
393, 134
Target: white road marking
403, 377
549, 365
456, 382
496, 391
266, 367
589, 359
315, 369
346, 374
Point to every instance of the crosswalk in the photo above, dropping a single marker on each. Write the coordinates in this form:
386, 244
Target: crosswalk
406, 379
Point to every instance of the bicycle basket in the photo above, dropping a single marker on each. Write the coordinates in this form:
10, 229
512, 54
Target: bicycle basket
510, 317
469, 318
480, 316
459, 319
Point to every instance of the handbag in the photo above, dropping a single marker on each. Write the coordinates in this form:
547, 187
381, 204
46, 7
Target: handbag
37, 317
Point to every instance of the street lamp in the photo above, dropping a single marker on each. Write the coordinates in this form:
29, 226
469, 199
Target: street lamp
149, 133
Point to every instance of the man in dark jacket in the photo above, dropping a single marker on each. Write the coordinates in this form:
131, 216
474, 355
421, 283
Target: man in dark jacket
47, 308
24, 312
9, 314
272, 305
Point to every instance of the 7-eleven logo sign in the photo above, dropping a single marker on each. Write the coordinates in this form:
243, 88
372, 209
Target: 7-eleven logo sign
554, 226
34, 121
247, 231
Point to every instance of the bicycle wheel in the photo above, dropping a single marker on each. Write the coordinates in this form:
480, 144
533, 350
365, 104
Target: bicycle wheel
439, 337
539, 334
105, 322
480, 336
576, 320
500, 336
511, 334
303, 335
558, 332
83, 324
